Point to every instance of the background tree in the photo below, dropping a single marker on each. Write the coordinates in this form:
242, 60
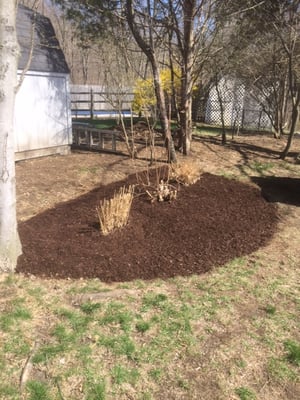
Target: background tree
10, 247
186, 29
265, 36
182, 29
144, 23
193, 27
263, 49
287, 29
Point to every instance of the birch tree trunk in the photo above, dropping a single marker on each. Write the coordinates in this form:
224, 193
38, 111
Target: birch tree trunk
10, 247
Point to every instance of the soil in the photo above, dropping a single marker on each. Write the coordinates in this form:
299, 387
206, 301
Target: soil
211, 222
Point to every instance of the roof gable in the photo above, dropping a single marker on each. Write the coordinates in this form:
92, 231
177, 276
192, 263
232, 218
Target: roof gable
47, 55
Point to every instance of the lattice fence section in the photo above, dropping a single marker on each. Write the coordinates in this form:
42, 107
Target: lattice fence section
239, 109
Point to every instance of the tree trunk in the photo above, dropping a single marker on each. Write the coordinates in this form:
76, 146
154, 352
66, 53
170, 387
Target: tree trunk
10, 247
221, 104
174, 105
186, 105
163, 113
295, 113
188, 56
148, 49
186, 123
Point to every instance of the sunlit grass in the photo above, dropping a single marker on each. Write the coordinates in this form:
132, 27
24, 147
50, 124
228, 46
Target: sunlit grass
240, 318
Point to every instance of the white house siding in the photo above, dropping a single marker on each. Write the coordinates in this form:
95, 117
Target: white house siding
43, 122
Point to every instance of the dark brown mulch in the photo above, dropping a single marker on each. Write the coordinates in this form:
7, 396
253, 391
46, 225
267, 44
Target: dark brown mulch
210, 223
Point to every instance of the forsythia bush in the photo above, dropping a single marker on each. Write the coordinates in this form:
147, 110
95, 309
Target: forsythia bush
144, 96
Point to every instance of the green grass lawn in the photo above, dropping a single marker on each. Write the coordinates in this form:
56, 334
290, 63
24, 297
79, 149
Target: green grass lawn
109, 123
232, 333
200, 129
97, 122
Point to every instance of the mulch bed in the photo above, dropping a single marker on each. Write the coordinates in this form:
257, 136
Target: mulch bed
210, 223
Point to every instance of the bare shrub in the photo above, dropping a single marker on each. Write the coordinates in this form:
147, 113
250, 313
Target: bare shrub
162, 184
114, 213
157, 188
165, 191
185, 173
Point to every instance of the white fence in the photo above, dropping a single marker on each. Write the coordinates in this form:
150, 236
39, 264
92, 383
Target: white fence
239, 109
95, 101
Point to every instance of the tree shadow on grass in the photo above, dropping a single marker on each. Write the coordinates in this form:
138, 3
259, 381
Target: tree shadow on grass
279, 189
245, 149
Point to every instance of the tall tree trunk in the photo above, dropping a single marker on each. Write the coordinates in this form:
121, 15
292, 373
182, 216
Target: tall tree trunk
186, 126
295, 114
163, 112
284, 106
186, 75
221, 104
174, 105
148, 48
186, 113
10, 247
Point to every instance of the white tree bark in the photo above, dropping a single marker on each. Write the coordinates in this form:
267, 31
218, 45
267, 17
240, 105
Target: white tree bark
10, 247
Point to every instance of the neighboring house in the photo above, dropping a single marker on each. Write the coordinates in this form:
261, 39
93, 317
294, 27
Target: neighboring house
43, 124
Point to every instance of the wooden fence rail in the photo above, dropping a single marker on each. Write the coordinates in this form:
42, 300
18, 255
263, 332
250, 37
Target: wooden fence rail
92, 103
87, 137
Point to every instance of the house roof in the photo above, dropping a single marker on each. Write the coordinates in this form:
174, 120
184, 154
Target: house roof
37, 30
